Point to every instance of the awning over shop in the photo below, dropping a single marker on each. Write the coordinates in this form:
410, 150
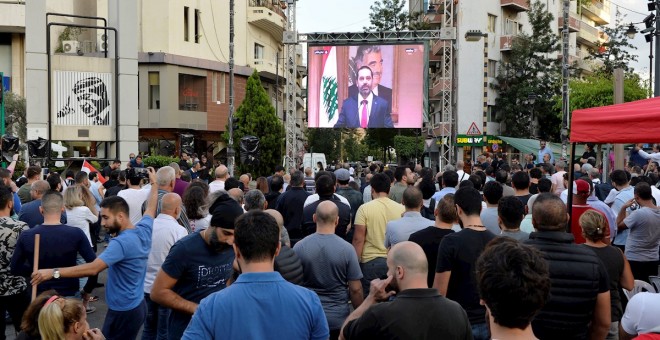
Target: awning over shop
527, 146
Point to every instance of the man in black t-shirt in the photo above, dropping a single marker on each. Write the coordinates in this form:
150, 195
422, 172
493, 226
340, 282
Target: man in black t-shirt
417, 312
455, 275
108, 169
429, 239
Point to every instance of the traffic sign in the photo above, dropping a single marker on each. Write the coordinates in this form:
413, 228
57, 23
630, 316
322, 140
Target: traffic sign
473, 130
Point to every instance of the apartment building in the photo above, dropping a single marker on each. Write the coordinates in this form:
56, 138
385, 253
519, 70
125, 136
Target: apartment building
462, 120
183, 62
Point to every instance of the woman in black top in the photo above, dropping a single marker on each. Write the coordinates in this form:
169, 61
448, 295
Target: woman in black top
596, 232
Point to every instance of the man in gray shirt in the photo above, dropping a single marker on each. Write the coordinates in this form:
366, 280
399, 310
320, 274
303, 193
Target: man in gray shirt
492, 194
330, 265
411, 221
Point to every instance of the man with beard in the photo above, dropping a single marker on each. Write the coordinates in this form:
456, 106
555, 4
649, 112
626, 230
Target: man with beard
365, 109
126, 260
198, 265
371, 56
417, 312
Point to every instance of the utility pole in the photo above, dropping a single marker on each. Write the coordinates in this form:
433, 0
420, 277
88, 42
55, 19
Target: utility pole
230, 145
564, 88
656, 86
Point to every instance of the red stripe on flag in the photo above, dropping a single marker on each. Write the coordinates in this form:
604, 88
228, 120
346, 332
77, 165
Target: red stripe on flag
88, 168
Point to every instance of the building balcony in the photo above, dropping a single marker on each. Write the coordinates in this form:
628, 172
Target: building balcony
506, 43
573, 23
439, 46
12, 16
588, 35
435, 18
268, 69
439, 85
268, 17
598, 11
515, 5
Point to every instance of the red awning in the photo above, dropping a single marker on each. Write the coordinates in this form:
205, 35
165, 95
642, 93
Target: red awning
633, 122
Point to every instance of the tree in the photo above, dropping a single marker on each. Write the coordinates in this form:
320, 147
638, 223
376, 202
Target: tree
615, 52
324, 141
15, 116
533, 74
408, 148
256, 116
388, 15
598, 90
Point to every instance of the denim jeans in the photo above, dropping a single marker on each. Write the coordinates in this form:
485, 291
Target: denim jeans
155, 325
374, 269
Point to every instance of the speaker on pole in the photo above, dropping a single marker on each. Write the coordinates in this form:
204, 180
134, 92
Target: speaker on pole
250, 150
37, 148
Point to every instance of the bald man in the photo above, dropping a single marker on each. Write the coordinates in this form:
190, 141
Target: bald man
166, 232
237, 194
417, 312
30, 211
245, 179
221, 175
330, 266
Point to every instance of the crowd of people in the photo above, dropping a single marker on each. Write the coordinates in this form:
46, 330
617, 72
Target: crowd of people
474, 251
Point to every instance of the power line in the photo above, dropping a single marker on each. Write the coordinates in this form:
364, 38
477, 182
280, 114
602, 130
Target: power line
628, 9
216, 31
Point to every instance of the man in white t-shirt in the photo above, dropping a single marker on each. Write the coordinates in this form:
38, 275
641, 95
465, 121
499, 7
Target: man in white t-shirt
221, 174
134, 195
167, 231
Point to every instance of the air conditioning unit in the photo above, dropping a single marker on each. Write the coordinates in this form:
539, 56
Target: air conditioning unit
101, 42
70, 46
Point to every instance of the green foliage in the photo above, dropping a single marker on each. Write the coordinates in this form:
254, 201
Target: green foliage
256, 117
354, 150
68, 33
96, 165
324, 141
408, 147
388, 15
615, 52
15, 116
598, 90
159, 161
533, 71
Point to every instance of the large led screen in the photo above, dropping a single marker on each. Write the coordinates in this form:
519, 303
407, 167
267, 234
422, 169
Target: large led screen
365, 86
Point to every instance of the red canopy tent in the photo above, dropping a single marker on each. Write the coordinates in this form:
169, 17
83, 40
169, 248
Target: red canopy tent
633, 122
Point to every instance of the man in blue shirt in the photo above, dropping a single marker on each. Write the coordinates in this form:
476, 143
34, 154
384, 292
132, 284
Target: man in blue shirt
271, 306
30, 212
544, 149
126, 260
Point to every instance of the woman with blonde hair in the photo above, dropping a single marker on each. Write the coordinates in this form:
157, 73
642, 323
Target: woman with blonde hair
595, 230
65, 319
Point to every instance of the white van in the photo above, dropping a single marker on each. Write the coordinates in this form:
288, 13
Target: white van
311, 160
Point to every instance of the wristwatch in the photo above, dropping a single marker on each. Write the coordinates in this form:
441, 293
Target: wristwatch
56, 273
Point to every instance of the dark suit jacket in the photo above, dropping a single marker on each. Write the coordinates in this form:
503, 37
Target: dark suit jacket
383, 92
379, 117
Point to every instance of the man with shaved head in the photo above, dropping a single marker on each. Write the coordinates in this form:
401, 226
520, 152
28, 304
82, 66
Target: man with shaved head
221, 175
245, 179
330, 266
30, 211
166, 232
417, 312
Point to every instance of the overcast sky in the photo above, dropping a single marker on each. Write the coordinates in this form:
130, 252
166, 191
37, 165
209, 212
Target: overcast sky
353, 15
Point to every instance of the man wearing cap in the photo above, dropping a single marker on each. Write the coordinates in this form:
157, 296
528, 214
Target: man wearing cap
581, 192
198, 265
353, 196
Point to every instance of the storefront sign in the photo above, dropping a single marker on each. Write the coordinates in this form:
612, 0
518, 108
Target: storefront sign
467, 140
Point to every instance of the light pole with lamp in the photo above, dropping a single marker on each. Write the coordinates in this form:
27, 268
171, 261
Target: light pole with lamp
474, 36
649, 32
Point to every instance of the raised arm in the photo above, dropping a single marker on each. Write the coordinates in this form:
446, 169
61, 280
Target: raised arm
152, 199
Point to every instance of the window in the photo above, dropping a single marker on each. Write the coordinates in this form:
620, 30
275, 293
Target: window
492, 68
218, 87
492, 21
197, 19
510, 27
185, 24
154, 90
192, 92
492, 114
258, 51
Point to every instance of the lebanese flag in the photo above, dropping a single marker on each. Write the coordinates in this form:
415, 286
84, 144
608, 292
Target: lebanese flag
329, 103
88, 168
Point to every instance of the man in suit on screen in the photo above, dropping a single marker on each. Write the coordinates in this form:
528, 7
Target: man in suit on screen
365, 110
371, 56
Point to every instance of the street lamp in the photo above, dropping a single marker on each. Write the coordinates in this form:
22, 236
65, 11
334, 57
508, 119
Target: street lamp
474, 36
649, 33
